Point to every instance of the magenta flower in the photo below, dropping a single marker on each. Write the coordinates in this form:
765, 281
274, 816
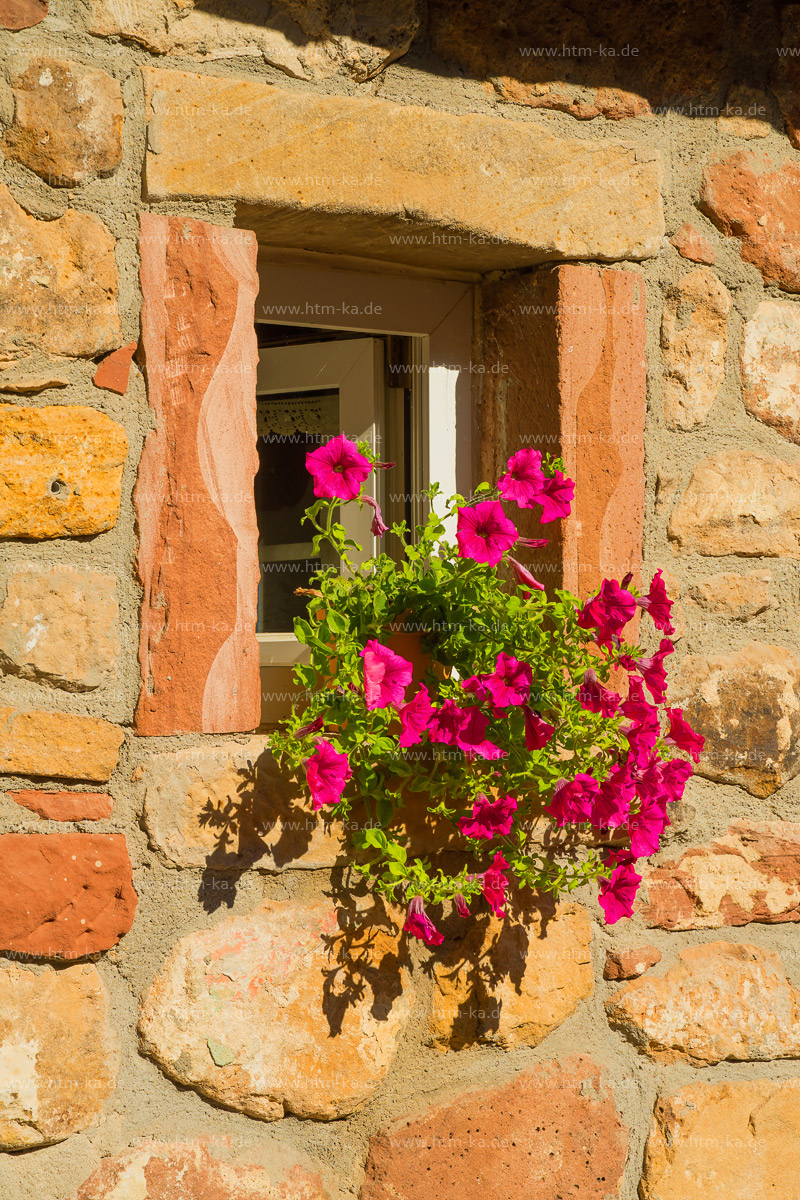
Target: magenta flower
534, 543
378, 527
476, 686
674, 775
484, 532
556, 497
419, 924
618, 893
327, 772
471, 736
462, 908
524, 479
495, 884
414, 718
338, 469
658, 604
510, 682
446, 723
608, 612
682, 736
524, 577
386, 676
614, 799
489, 817
537, 731
573, 802
643, 726
312, 727
645, 828
595, 698
652, 670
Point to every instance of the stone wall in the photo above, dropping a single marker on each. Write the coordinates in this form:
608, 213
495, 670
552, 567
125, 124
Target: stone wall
181, 1011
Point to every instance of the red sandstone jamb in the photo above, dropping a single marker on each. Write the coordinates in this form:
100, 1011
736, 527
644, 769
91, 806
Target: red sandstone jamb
65, 806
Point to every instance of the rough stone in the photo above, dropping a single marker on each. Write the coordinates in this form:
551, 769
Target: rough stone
747, 199
67, 122
282, 1011
114, 371
58, 625
786, 73
22, 14
694, 339
750, 873
692, 245
64, 895
771, 366
65, 806
737, 597
512, 983
735, 1140
24, 383
58, 1054
60, 471
551, 1131
58, 745
746, 114
747, 706
193, 1171
630, 964
58, 283
494, 193
308, 39
198, 538
742, 503
723, 1001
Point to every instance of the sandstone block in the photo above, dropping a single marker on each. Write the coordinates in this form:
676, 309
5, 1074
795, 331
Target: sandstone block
510, 984
786, 73
630, 964
694, 340
737, 502
722, 1001
22, 14
281, 1012
746, 197
60, 471
58, 286
58, 625
737, 597
750, 873
692, 245
65, 806
198, 538
738, 1140
58, 745
58, 1053
494, 193
67, 121
64, 895
115, 369
746, 706
552, 1131
771, 366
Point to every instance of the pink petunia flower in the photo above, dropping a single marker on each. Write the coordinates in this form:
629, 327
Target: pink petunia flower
573, 802
446, 722
613, 802
471, 736
462, 908
419, 924
658, 604
645, 828
414, 718
312, 727
524, 479
510, 682
534, 543
682, 736
537, 731
524, 577
643, 726
484, 532
495, 884
476, 686
556, 497
674, 775
618, 893
595, 698
327, 772
386, 676
652, 670
378, 527
338, 469
608, 612
489, 817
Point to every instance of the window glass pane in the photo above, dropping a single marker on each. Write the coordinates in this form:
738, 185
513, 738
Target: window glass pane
289, 425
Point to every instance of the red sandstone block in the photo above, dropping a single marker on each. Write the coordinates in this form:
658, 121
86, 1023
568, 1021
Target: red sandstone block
198, 538
630, 964
65, 806
22, 14
115, 369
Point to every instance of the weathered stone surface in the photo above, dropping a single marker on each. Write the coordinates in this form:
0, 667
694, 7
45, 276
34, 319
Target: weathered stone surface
750, 873
630, 964
692, 245
58, 625
114, 371
58, 284
747, 706
564, 355
494, 193
64, 895
23, 382
745, 114
198, 538
552, 1131
732, 1141
694, 339
308, 39
58, 745
737, 502
67, 121
227, 807
738, 597
58, 1054
191, 1171
512, 983
786, 73
771, 366
22, 14
60, 471
722, 1001
65, 806
282, 1011
747, 198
